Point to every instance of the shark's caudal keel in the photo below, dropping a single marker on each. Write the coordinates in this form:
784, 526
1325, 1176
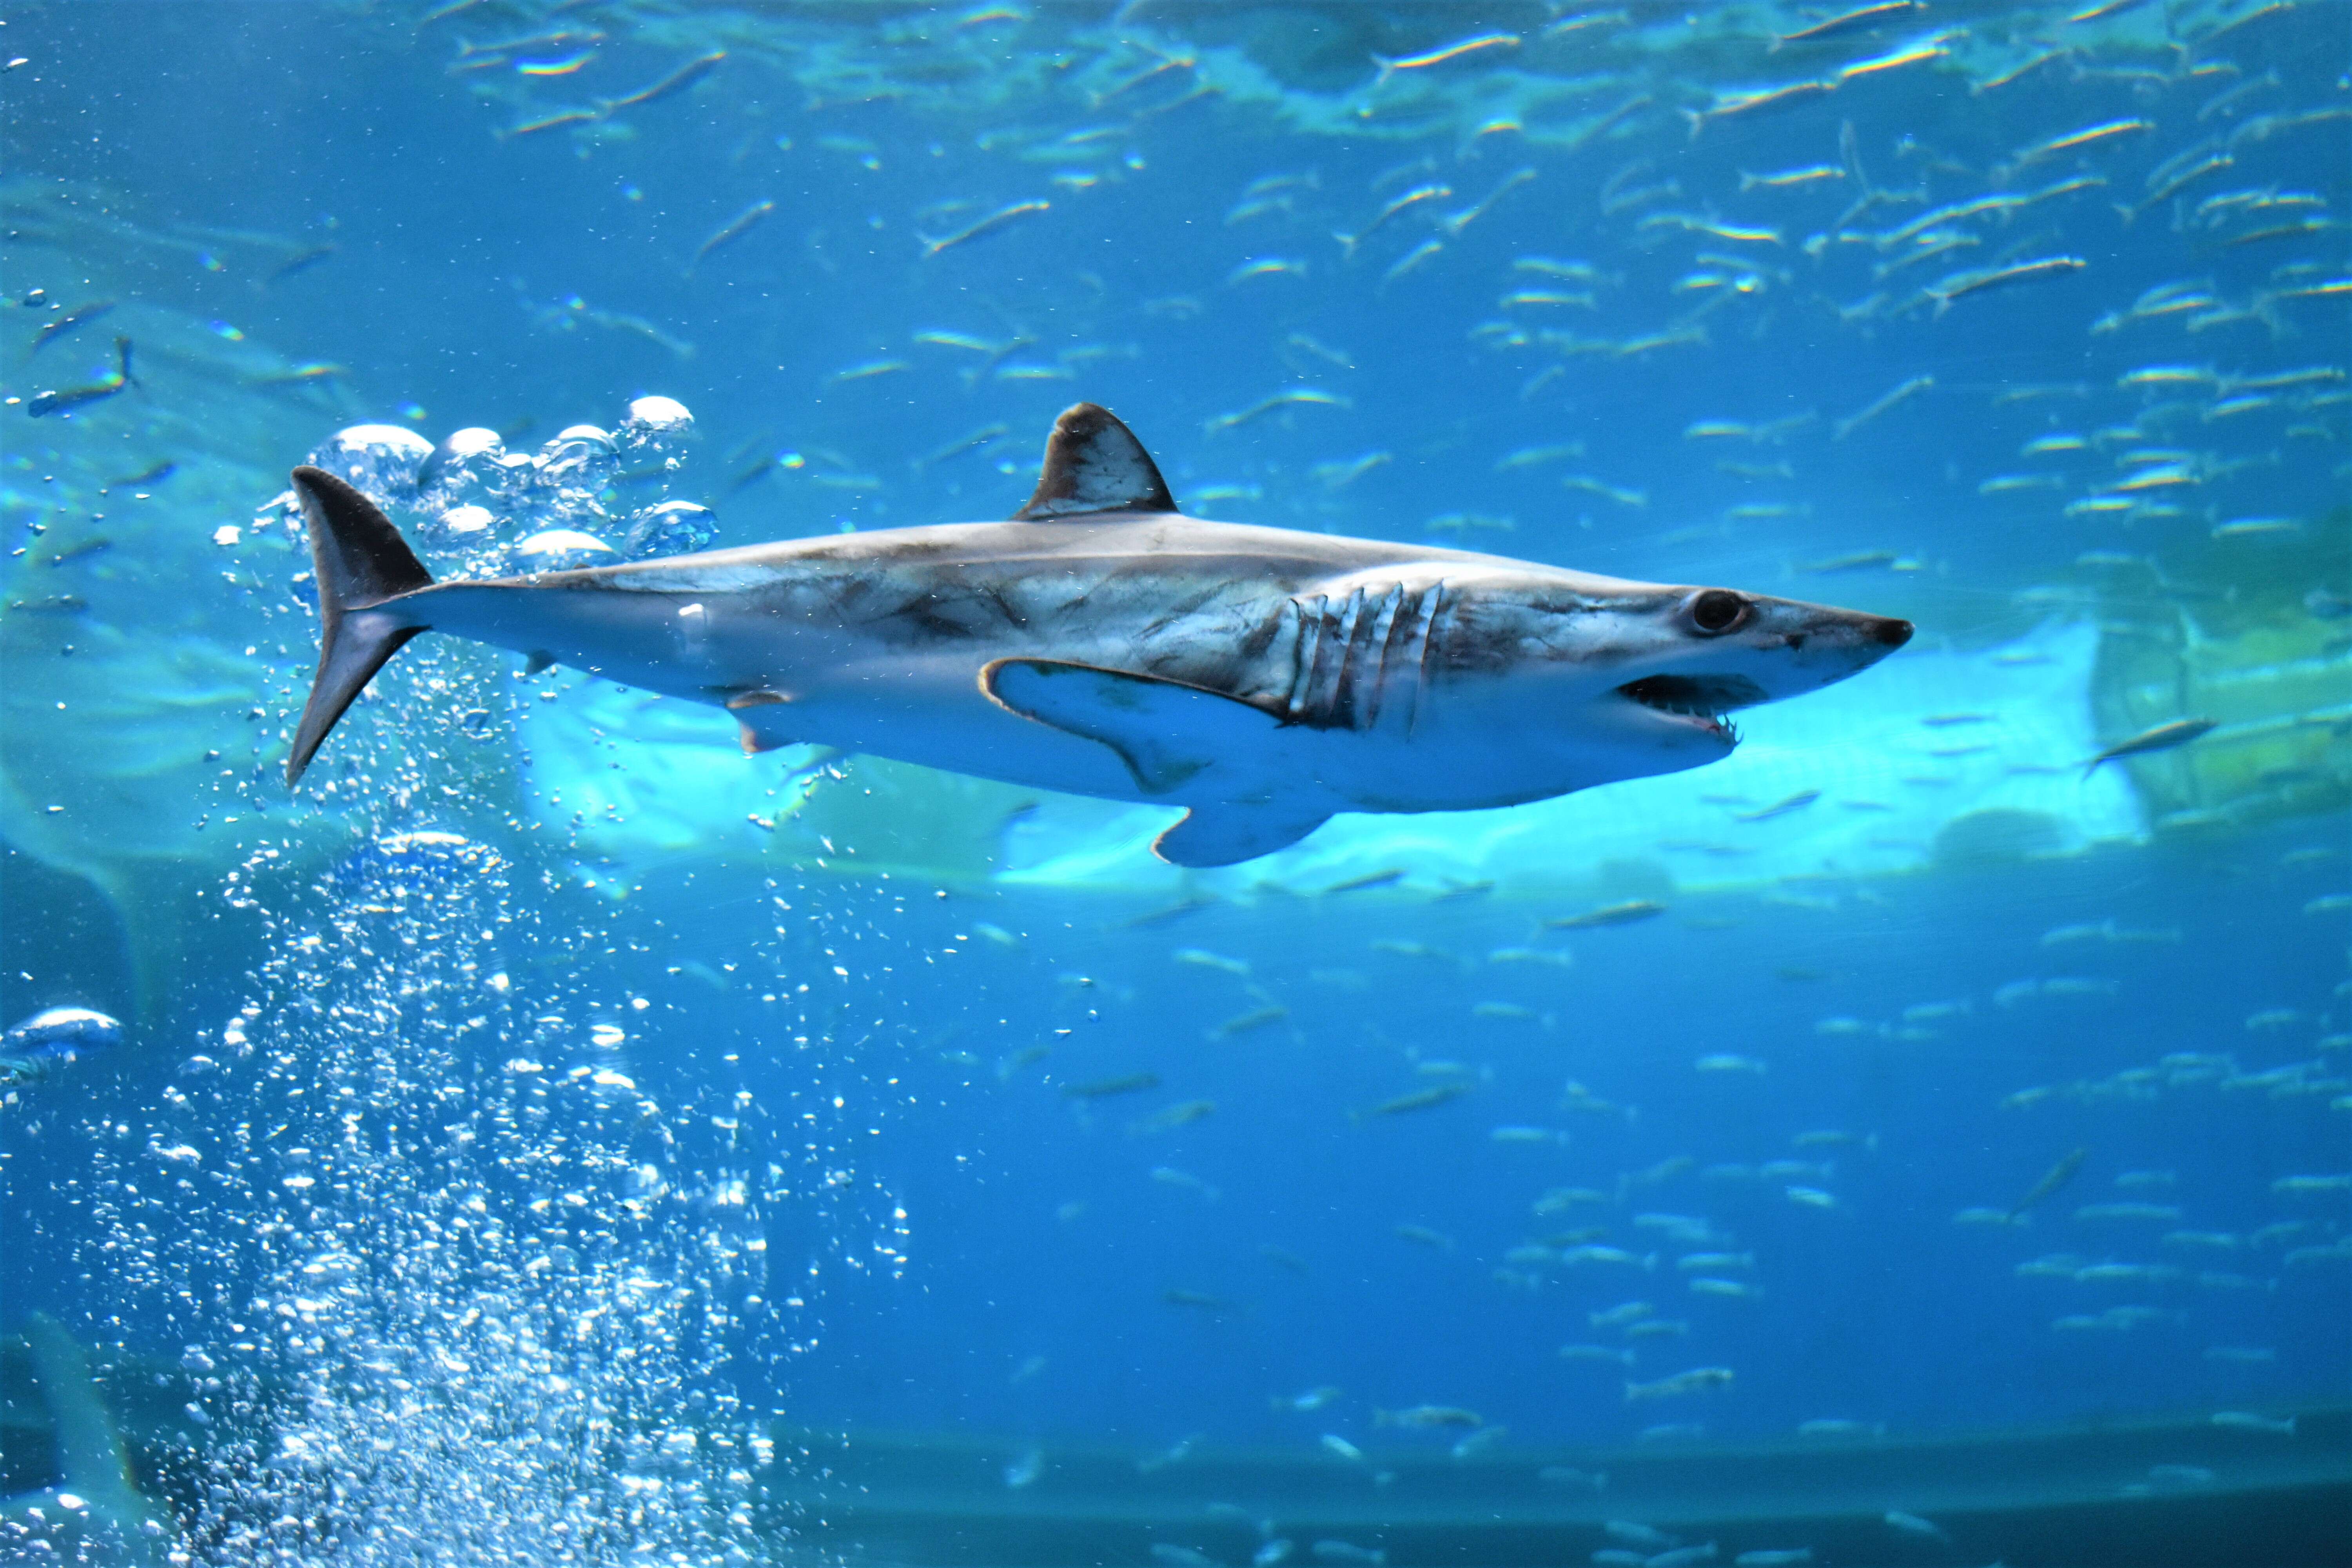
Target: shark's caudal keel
1102, 643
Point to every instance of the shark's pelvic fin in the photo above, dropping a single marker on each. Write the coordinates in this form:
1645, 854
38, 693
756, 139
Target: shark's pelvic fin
1164, 731
1223, 835
746, 707
361, 562
1094, 463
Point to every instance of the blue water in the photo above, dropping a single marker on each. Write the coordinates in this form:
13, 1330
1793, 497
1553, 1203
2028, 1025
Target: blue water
620, 1118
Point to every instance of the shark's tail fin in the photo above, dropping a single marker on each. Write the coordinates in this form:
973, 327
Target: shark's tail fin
361, 565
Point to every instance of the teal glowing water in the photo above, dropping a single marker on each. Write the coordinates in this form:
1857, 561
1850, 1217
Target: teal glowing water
512, 1135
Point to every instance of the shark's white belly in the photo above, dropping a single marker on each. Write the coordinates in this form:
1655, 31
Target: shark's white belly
935, 712
831, 686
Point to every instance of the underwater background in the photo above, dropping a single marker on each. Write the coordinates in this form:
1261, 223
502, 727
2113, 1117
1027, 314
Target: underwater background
551, 1136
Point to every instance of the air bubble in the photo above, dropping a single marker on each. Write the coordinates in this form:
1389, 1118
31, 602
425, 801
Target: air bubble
378, 459
661, 415
476, 509
461, 522
564, 550
670, 528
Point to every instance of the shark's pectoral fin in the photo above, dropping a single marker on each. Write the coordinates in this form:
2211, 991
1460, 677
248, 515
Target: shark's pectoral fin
1223, 835
1094, 463
1165, 732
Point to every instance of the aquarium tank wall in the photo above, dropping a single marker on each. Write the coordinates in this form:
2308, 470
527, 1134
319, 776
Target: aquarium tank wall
1751, 606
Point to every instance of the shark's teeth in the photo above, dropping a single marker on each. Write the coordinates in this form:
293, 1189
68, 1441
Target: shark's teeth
1703, 697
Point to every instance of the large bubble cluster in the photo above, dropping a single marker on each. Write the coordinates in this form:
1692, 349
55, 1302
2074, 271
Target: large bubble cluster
589, 497
450, 1286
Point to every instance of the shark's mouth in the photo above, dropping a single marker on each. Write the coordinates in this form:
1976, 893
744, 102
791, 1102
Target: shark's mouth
1702, 698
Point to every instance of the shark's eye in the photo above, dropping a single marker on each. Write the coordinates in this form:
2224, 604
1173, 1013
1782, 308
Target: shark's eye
1717, 611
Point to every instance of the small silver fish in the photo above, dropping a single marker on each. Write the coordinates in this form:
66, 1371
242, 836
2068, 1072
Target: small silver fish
1858, 20
76, 396
2162, 738
737, 228
59, 326
679, 80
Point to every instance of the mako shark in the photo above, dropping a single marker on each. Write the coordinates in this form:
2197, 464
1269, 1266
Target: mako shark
1102, 643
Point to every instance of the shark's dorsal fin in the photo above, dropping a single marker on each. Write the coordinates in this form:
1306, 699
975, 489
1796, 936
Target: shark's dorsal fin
1094, 463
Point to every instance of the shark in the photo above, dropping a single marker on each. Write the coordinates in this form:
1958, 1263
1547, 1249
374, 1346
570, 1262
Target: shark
1102, 643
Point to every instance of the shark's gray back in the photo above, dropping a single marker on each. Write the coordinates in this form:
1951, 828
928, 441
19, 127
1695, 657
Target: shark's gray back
1221, 606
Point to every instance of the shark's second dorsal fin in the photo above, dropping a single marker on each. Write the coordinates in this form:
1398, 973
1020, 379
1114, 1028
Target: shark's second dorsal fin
1094, 463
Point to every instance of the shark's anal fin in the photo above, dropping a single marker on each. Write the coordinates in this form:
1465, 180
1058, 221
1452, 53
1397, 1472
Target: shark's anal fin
540, 659
1094, 463
1222, 834
1164, 731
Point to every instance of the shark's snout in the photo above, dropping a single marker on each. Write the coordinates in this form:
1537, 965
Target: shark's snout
1824, 644
1726, 650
